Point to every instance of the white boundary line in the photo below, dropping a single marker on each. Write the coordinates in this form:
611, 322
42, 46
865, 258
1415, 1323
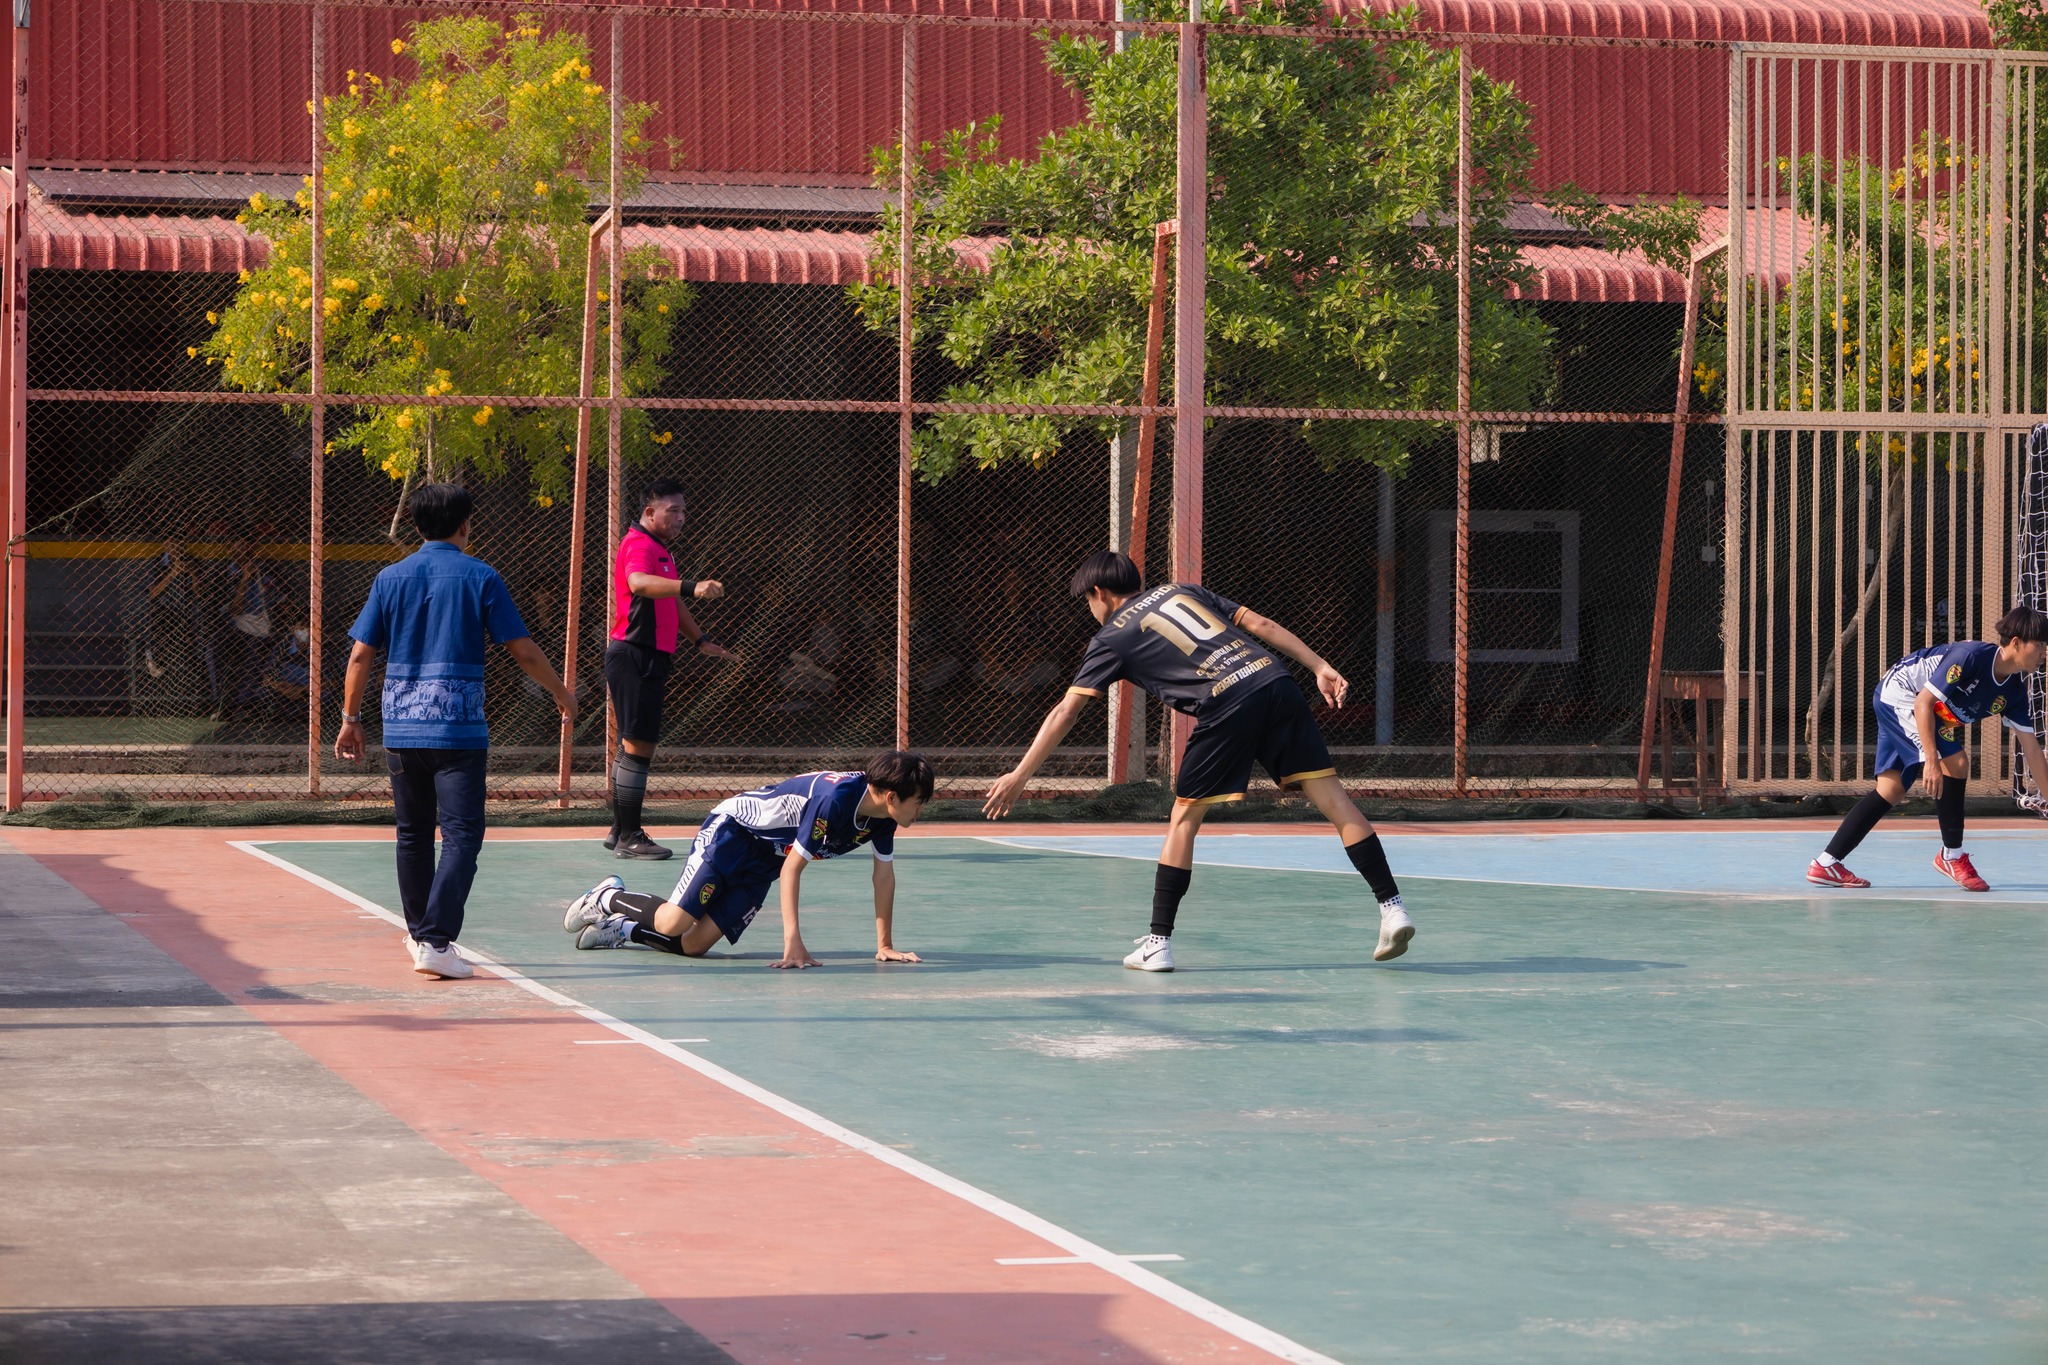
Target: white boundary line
1085, 1251
1927, 895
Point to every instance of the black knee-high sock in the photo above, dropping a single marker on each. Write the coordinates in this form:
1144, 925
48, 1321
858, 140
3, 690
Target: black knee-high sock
629, 790
1861, 819
1370, 858
1169, 884
1948, 810
639, 907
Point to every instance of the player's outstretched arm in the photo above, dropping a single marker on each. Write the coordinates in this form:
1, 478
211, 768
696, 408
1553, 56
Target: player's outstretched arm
794, 954
1329, 681
885, 915
1002, 796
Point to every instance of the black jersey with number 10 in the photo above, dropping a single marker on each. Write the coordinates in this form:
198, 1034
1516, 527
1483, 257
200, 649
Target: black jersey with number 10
1181, 643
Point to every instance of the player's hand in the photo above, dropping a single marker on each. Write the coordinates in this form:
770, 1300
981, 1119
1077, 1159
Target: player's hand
1003, 794
1332, 685
795, 957
895, 955
711, 649
565, 702
710, 589
348, 745
1932, 776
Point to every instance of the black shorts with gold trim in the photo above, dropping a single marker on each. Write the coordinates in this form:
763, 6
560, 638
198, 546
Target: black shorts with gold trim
1271, 726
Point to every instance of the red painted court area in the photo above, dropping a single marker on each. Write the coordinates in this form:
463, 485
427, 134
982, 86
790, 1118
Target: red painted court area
771, 1239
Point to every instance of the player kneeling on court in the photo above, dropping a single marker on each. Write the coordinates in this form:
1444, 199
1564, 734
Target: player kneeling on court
1923, 702
1202, 655
755, 838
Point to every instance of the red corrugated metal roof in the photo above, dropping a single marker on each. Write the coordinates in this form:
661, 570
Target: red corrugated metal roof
128, 83
61, 241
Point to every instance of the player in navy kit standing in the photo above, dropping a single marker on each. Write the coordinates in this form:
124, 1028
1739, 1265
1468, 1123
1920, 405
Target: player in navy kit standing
1206, 656
1923, 702
751, 841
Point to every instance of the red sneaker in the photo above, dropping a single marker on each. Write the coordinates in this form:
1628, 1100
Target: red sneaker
1960, 870
1837, 875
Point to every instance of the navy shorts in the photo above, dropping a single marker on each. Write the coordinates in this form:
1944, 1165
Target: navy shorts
637, 678
1898, 748
1271, 727
727, 876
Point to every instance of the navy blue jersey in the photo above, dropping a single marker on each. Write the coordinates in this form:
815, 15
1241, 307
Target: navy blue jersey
1964, 680
1181, 643
812, 813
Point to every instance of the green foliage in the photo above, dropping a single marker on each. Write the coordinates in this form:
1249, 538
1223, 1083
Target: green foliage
456, 228
1666, 235
1331, 242
2021, 24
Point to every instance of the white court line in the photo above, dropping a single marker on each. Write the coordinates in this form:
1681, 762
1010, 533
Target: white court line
605, 1042
1932, 894
1077, 1260
1084, 1251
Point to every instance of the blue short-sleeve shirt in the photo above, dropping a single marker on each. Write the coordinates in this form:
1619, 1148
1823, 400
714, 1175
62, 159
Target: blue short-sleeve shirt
432, 614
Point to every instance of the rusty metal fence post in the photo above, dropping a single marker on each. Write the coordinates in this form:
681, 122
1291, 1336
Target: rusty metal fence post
1190, 330
316, 522
1462, 583
906, 257
17, 418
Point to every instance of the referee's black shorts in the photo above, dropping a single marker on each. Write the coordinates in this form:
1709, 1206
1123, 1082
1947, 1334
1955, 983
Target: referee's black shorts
637, 678
1272, 727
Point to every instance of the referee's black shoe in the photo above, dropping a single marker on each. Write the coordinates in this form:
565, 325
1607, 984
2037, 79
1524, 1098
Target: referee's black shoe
611, 840
634, 843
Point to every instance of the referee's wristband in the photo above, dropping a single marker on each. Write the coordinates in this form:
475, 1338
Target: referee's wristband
347, 719
703, 640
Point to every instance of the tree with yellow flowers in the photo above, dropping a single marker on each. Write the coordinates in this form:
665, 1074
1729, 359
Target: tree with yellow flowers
456, 225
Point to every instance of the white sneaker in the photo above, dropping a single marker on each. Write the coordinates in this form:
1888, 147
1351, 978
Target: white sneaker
585, 910
447, 963
612, 931
1154, 954
1395, 930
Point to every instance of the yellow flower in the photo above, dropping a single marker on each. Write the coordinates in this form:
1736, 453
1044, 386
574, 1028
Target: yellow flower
242, 277
603, 297
211, 317
661, 308
662, 438
632, 139
403, 421
545, 501
540, 187
373, 301
258, 202
397, 46
482, 417
395, 150
461, 302
192, 352
354, 90
346, 284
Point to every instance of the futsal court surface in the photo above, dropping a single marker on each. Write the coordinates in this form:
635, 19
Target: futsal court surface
1635, 1091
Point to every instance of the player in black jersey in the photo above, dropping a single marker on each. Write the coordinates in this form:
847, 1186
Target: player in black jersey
1206, 656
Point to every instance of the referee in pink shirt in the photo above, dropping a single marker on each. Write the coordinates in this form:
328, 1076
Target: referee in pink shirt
648, 621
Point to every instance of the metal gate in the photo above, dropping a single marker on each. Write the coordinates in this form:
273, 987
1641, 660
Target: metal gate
1881, 373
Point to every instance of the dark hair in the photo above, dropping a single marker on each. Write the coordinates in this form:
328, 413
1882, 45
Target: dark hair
901, 774
657, 489
1110, 570
2022, 623
439, 509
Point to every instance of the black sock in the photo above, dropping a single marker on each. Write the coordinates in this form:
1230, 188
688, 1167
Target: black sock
1370, 859
1861, 819
629, 790
1169, 884
644, 935
637, 906
1948, 810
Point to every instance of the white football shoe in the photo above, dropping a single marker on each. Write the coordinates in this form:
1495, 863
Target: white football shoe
1154, 954
585, 910
446, 962
612, 931
1395, 930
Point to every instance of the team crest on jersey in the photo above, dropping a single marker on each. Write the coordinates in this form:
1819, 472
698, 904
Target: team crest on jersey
1948, 733
706, 892
818, 831
1955, 671
1997, 705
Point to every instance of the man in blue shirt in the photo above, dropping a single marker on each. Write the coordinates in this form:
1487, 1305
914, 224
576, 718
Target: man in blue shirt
1923, 703
431, 613
755, 839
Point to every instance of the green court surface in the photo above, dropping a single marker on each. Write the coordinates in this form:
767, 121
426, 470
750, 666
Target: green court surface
1570, 1125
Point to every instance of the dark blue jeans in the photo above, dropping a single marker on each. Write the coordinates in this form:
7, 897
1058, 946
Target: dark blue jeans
432, 787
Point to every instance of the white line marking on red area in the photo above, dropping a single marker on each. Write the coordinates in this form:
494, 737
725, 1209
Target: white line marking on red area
1083, 1251
606, 1042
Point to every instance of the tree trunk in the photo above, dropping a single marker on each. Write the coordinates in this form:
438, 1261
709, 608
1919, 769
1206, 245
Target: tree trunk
1824, 689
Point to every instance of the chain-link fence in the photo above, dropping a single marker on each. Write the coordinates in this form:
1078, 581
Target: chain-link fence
1413, 399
